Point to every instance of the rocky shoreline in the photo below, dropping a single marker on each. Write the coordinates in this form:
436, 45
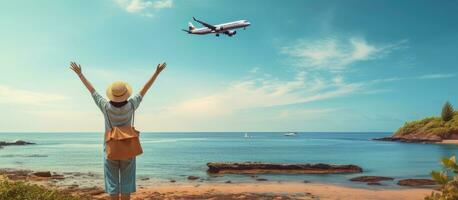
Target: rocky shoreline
409, 140
64, 182
279, 168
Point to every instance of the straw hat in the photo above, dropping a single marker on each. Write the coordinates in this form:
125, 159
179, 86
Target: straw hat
119, 91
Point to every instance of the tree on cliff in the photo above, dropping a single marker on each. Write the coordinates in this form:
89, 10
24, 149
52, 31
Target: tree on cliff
447, 112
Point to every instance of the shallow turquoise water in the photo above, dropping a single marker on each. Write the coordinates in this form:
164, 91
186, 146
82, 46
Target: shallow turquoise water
177, 155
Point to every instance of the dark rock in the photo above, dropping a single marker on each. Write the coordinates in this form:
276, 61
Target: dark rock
42, 174
58, 177
173, 181
228, 181
374, 183
193, 177
21, 142
279, 168
306, 181
371, 179
144, 179
417, 182
261, 179
17, 142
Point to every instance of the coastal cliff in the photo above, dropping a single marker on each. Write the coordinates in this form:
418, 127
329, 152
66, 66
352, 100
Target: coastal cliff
427, 130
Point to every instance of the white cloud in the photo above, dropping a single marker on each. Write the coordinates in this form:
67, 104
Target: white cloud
262, 92
137, 6
422, 77
335, 54
437, 76
159, 4
21, 96
395, 79
144, 7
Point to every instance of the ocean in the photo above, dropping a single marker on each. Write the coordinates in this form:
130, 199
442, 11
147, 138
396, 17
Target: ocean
175, 156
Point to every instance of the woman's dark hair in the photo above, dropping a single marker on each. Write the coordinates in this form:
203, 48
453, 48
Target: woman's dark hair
118, 104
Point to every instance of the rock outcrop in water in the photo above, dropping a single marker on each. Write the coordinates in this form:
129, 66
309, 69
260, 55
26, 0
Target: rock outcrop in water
17, 142
279, 168
417, 182
368, 179
371, 180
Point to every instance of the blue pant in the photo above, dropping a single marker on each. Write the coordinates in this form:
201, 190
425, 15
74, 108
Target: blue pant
119, 176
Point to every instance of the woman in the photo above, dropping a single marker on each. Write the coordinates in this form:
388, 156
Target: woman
119, 175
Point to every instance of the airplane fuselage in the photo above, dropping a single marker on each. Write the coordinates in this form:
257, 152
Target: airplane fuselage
220, 28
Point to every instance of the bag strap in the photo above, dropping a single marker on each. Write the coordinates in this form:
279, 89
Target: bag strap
132, 123
108, 116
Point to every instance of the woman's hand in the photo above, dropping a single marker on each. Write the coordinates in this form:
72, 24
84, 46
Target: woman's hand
151, 80
76, 68
160, 67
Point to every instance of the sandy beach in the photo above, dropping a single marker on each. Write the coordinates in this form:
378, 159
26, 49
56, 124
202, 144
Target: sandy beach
230, 190
448, 142
275, 191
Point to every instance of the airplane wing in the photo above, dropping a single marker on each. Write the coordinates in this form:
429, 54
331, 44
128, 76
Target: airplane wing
205, 24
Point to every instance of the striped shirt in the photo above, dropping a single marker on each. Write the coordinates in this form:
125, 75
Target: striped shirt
119, 116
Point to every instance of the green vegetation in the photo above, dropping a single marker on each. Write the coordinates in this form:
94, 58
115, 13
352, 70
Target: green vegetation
447, 112
10, 190
432, 127
449, 184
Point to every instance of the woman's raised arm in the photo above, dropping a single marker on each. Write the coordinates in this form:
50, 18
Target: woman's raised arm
151, 80
77, 69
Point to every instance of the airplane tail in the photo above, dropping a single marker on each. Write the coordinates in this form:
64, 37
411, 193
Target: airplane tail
191, 27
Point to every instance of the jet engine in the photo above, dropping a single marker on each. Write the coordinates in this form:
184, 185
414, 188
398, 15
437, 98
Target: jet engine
231, 33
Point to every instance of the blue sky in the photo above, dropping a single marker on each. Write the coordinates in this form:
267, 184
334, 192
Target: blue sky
300, 66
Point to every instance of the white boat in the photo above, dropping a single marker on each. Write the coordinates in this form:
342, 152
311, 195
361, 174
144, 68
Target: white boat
290, 134
246, 135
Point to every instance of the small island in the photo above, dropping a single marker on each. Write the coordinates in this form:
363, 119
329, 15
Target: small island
429, 130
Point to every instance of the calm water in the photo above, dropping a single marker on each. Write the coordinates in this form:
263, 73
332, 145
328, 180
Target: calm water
177, 155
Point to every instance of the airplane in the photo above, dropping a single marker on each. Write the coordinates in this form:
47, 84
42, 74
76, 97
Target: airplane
226, 28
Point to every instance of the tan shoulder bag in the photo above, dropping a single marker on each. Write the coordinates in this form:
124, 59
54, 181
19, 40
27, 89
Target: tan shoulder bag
122, 142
